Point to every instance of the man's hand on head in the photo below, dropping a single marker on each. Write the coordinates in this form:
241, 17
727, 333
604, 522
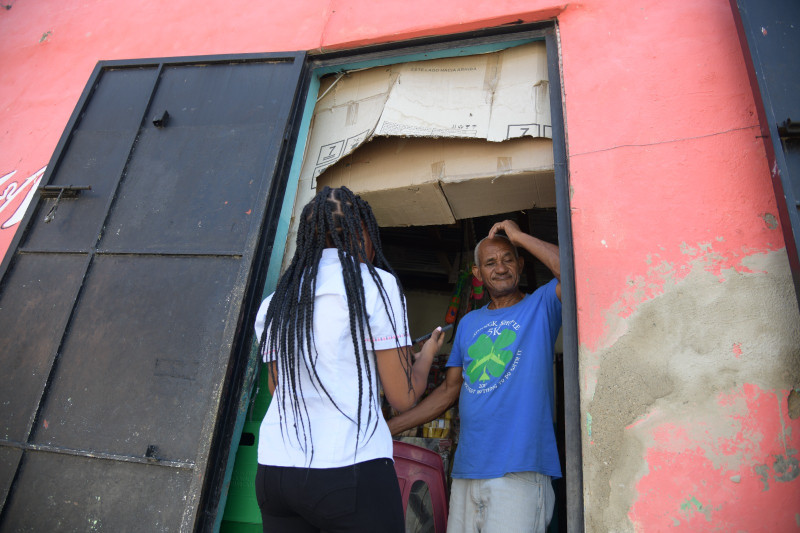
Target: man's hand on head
545, 252
510, 228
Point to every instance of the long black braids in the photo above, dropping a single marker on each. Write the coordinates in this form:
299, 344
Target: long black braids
335, 218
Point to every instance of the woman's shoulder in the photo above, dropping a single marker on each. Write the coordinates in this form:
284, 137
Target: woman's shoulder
388, 280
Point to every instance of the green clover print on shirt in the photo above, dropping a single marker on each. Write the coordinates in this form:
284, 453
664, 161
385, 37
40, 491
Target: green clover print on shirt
489, 357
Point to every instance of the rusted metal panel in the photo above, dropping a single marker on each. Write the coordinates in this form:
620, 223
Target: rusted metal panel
145, 352
35, 300
9, 461
122, 316
57, 492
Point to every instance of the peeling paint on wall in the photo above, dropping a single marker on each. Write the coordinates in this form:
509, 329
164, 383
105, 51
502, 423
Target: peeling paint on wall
793, 403
684, 430
692, 506
734, 476
662, 221
770, 220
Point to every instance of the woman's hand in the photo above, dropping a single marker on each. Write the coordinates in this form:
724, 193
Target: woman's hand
392, 366
432, 345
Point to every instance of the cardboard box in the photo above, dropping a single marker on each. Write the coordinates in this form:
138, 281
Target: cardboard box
491, 98
396, 178
496, 96
411, 182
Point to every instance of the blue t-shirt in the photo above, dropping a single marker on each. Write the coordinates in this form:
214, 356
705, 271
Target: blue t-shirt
506, 401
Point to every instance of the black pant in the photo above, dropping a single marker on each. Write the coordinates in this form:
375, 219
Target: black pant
362, 497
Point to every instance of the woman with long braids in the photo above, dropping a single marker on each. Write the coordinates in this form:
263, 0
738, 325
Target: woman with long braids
332, 333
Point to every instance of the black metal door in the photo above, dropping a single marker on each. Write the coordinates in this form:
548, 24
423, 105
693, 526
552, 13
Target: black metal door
123, 309
770, 36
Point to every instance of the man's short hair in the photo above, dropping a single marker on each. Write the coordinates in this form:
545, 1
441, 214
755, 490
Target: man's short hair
477, 246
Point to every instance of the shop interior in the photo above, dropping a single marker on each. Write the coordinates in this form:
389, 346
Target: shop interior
433, 264
441, 150
434, 267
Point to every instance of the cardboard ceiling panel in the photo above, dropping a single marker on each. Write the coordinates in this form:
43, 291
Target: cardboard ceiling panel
429, 142
413, 182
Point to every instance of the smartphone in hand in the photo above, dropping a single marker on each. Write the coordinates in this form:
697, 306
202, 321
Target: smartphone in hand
428, 336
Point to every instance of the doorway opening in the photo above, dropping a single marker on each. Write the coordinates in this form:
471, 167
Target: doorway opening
433, 264
430, 254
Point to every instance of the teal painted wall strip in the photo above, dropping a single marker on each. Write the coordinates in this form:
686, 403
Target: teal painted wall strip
285, 219
454, 52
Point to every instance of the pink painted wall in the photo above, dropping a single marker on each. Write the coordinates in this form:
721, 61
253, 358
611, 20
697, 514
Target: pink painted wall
687, 325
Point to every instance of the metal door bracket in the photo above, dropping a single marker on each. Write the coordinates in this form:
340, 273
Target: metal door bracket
58, 192
64, 191
160, 121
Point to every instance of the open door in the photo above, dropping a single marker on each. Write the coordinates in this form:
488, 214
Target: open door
124, 304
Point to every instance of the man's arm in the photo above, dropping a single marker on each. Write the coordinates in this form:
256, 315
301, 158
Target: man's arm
545, 252
436, 403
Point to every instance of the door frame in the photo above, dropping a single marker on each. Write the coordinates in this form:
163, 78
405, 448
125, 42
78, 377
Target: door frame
322, 63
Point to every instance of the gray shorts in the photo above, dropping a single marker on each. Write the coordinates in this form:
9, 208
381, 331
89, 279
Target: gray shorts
518, 502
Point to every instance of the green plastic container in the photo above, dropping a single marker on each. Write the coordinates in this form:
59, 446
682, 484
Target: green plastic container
241, 509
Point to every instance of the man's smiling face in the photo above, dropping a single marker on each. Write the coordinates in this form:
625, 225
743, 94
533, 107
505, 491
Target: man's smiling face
499, 268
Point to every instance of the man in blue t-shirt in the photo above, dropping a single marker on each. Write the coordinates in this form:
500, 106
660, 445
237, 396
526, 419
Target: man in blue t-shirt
501, 369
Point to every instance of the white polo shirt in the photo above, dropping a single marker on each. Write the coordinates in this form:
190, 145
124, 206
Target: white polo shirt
332, 433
